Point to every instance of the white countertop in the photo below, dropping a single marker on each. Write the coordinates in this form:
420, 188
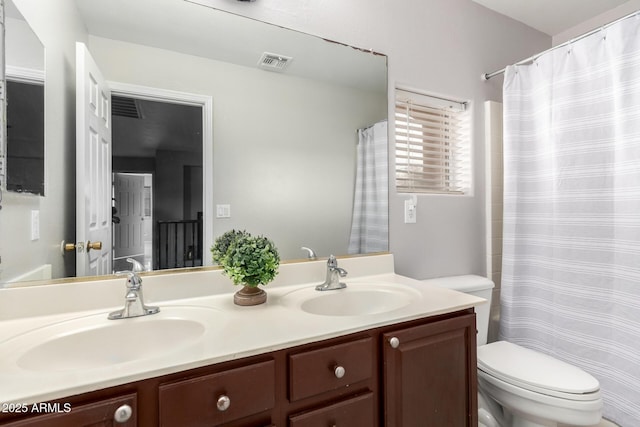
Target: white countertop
232, 332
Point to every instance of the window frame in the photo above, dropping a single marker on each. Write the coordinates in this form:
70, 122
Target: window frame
432, 144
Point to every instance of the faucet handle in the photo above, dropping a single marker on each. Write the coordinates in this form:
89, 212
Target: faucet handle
134, 281
332, 262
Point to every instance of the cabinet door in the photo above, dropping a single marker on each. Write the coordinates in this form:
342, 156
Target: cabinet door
117, 412
430, 374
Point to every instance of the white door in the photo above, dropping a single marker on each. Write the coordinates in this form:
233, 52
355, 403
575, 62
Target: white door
93, 168
128, 229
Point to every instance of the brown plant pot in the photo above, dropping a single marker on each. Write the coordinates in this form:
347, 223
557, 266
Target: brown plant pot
249, 295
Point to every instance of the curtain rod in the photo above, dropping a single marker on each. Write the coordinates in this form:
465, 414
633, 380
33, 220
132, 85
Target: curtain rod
487, 76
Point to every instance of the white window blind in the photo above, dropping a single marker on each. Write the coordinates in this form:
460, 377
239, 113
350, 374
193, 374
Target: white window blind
432, 145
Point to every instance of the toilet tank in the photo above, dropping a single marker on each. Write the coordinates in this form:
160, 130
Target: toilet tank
474, 285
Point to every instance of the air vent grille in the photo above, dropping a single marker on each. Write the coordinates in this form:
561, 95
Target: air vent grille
125, 107
274, 62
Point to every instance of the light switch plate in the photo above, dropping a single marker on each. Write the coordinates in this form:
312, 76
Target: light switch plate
223, 211
35, 225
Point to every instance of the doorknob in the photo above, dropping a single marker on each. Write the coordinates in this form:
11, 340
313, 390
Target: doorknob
94, 245
69, 247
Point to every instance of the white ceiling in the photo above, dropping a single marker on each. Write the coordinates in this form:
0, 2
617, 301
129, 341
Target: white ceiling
551, 16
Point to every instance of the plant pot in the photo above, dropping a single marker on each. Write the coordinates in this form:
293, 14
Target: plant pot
249, 295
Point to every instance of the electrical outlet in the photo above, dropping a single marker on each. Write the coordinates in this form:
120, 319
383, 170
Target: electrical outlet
410, 208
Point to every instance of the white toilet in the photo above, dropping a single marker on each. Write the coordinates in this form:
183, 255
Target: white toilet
520, 387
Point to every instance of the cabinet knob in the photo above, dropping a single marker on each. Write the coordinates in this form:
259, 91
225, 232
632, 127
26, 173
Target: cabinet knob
339, 371
223, 403
123, 414
394, 342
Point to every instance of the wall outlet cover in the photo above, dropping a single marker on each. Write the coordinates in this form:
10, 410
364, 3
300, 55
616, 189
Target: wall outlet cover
410, 210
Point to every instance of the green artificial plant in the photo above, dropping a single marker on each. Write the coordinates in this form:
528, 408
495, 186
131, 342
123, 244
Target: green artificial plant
247, 260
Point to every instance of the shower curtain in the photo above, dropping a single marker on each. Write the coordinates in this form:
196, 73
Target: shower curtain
571, 254
370, 221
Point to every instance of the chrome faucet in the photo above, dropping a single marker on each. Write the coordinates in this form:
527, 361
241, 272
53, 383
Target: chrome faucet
334, 273
134, 302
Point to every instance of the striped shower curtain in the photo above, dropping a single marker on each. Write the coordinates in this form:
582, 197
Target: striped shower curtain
571, 255
370, 220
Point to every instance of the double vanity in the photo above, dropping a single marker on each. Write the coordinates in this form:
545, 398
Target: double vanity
384, 351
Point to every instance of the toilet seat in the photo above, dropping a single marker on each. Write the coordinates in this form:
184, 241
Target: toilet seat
536, 372
550, 407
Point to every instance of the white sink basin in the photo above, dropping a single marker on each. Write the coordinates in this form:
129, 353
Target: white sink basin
94, 342
357, 299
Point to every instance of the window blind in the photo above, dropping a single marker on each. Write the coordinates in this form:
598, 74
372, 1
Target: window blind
432, 145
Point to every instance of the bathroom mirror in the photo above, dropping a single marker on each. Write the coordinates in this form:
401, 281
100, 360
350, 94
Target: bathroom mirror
284, 140
24, 59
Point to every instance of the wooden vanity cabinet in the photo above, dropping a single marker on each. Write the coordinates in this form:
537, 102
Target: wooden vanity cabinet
418, 373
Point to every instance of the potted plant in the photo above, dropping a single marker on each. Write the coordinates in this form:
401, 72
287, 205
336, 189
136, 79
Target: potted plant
249, 261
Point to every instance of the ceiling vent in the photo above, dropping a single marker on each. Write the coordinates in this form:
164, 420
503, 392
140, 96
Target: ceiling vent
125, 107
274, 62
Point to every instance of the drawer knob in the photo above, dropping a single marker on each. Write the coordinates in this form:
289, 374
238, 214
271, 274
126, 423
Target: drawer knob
223, 403
123, 414
339, 371
394, 342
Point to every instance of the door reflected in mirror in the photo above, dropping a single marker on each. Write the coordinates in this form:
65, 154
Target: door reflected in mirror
157, 198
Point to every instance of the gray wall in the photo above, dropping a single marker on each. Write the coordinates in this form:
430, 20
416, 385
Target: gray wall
611, 15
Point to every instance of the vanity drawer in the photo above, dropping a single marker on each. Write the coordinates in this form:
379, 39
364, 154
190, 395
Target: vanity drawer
358, 411
121, 411
218, 398
329, 368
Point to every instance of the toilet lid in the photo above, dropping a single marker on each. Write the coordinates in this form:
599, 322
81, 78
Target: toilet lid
533, 370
